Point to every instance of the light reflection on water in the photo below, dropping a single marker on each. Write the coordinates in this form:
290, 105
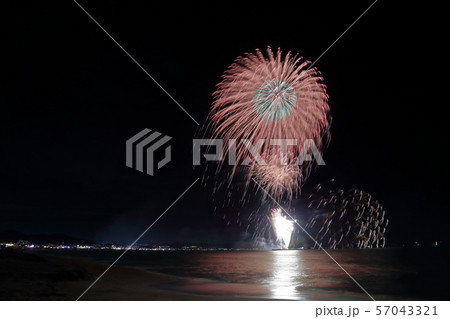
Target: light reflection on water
287, 269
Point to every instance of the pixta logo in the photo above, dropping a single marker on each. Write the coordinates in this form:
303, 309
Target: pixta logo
140, 151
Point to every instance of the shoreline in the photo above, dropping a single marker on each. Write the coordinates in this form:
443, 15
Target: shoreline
28, 276
388, 275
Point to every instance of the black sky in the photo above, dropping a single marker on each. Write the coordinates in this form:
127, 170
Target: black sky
70, 98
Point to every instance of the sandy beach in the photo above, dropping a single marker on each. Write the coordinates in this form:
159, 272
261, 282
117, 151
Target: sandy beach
27, 276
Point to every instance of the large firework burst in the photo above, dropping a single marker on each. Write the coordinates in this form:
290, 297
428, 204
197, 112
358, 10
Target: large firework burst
271, 97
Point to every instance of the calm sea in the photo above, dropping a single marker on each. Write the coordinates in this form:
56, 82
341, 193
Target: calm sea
386, 274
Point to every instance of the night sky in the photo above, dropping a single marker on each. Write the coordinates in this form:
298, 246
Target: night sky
70, 98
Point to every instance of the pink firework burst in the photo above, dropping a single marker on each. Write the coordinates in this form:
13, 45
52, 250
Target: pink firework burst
277, 179
271, 97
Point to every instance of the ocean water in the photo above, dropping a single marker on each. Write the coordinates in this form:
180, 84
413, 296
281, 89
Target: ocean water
386, 274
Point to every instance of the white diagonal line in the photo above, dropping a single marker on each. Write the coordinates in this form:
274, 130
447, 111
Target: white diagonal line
137, 239
320, 246
137, 63
351, 25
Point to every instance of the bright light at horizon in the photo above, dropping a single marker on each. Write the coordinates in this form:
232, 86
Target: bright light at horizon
283, 227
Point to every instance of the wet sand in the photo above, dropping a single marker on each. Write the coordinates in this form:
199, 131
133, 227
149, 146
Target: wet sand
26, 276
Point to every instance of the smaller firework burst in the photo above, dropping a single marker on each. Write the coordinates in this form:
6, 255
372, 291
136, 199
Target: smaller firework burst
280, 179
346, 219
